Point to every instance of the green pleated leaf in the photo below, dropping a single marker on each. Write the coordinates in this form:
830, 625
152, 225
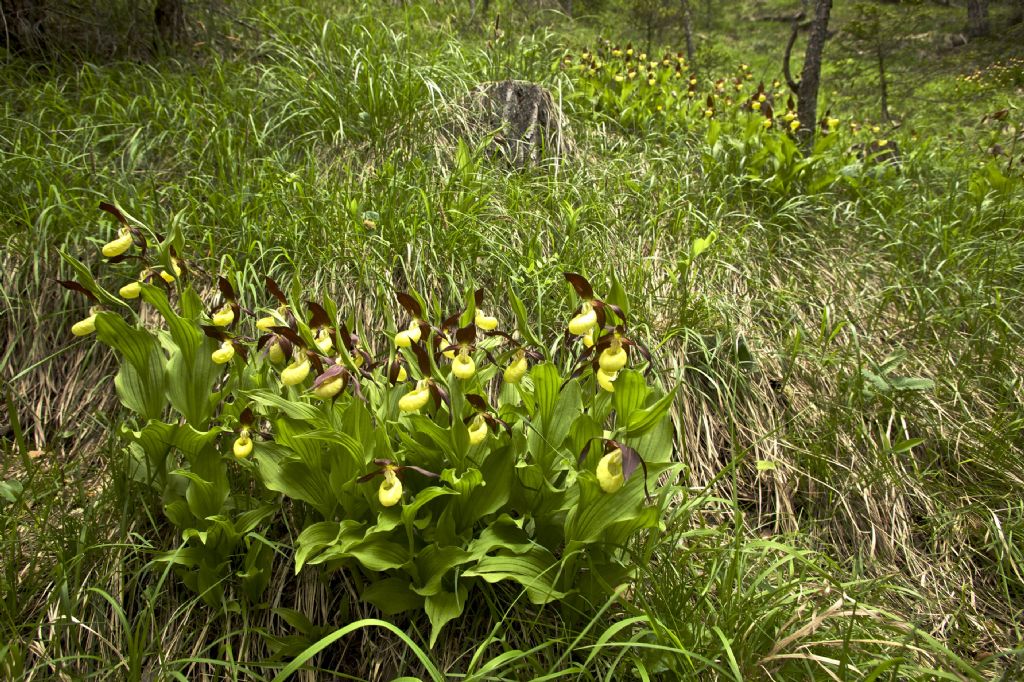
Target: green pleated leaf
191, 372
392, 596
140, 382
291, 408
536, 570
442, 608
643, 420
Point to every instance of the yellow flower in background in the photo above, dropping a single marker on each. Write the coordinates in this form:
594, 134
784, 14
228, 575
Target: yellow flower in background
613, 358
296, 372
477, 430
609, 472
415, 399
463, 366
584, 321
329, 389
115, 248
407, 337
243, 445
169, 277
606, 380
224, 317
484, 321
223, 354
131, 290
274, 352
794, 125
516, 370
85, 326
390, 491
323, 341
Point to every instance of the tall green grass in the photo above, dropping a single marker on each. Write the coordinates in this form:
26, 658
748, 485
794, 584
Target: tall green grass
850, 412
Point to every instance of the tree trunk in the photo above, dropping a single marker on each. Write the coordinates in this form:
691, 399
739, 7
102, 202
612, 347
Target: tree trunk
807, 91
169, 17
688, 30
977, 18
1018, 13
883, 83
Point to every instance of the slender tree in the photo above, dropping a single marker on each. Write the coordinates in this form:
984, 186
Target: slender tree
977, 18
688, 31
810, 78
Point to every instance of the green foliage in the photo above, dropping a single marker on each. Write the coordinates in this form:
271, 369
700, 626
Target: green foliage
471, 492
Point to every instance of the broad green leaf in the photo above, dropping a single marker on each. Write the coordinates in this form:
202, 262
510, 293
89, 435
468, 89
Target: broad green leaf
630, 394
314, 539
140, 381
536, 570
433, 563
377, 553
392, 596
191, 372
643, 420
443, 607
293, 409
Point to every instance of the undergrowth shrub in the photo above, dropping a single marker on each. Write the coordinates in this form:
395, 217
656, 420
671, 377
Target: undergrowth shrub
464, 454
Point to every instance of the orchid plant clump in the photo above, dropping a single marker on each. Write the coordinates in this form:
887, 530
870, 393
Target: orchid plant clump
445, 455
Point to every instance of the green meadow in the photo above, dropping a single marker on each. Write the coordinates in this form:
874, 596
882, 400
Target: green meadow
770, 426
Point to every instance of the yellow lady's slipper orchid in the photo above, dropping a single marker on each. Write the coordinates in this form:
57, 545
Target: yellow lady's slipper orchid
756, 106
131, 290
296, 372
224, 317
406, 338
485, 321
515, 372
605, 380
588, 338
767, 123
794, 125
402, 374
477, 430
708, 113
762, 97
224, 353
883, 143
169, 277
613, 358
118, 246
390, 491
789, 116
323, 341
463, 366
583, 322
416, 398
243, 445
619, 78
832, 123
328, 389
84, 327
609, 472
274, 352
